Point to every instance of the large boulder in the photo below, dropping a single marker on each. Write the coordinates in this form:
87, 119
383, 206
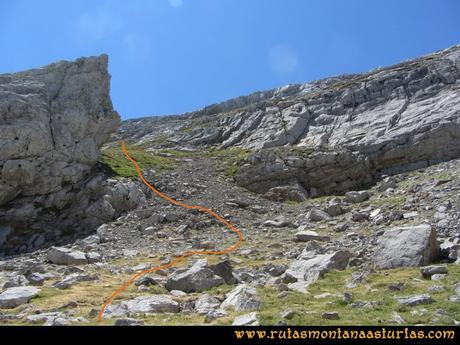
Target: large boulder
16, 296
143, 305
200, 277
407, 246
317, 215
206, 304
309, 267
66, 256
242, 298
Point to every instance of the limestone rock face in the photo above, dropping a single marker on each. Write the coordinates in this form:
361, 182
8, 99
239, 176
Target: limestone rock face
53, 121
331, 135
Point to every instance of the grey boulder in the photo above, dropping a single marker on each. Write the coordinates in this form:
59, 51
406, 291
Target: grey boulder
66, 256
407, 246
200, 277
206, 304
144, 305
415, 300
16, 296
309, 267
317, 215
250, 319
356, 197
242, 298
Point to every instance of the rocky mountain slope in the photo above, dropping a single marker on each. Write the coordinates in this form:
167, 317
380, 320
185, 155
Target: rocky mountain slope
349, 217
347, 131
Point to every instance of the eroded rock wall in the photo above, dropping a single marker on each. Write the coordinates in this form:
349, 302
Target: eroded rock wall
53, 121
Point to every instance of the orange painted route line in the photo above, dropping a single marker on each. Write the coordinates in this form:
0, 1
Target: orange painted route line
178, 258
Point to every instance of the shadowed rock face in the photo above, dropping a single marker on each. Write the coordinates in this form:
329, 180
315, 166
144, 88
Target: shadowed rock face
53, 121
355, 127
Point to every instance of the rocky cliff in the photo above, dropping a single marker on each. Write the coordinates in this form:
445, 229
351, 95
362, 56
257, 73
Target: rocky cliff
53, 121
336, 134
387, 254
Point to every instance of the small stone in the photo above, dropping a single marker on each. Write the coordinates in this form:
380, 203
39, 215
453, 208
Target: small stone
437, 277
397, 286
356, 197
145, 281
415, 300
397, 319
436, 289
206, 304
129, 322
214, 314
317, 215
150, 230
250, 319
428, 271
330, 316
308, 235
177, 293
410, 215
278, 222
93, 257
36, 279
288, 314
347, 297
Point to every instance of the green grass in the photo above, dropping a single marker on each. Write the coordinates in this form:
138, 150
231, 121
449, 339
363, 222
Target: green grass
179, 154
388, 201
116, 160
309, 310
229, 160
162, 140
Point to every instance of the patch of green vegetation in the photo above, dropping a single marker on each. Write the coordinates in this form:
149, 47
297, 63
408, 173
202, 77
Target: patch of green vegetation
179, 154
229, 160
162, 140
393, 200
296, 151
116, 160
309, 309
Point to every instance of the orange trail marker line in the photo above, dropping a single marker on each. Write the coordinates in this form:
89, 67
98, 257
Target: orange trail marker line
184, 255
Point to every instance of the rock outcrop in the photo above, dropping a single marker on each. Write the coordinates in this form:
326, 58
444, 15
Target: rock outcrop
53, 121
331, 135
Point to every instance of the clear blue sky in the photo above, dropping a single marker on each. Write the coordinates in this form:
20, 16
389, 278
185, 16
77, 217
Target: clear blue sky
173, 56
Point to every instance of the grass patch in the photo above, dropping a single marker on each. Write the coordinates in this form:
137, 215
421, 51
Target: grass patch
389, 201
309, 309
179, 154
229, 161
162, 140
116, 160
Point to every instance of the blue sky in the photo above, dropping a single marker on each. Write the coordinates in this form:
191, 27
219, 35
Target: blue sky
173, 56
